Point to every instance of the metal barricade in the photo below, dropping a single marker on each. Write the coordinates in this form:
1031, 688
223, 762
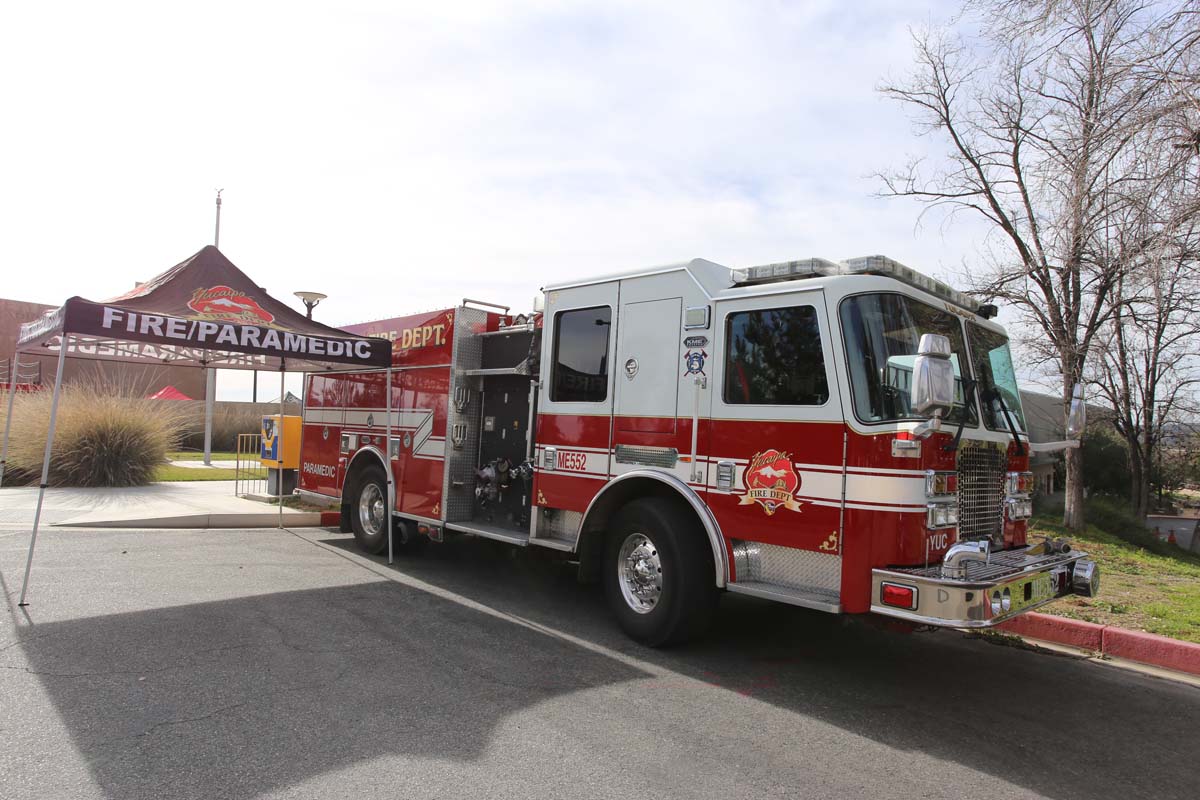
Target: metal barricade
250, 476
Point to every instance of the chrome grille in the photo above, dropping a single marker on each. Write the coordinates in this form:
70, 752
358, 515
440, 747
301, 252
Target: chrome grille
981, 492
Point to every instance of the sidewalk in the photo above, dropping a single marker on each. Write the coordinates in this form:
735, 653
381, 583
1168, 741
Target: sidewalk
187, 504
213, 465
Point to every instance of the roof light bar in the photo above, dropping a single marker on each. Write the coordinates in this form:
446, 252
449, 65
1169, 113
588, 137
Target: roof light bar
867, 265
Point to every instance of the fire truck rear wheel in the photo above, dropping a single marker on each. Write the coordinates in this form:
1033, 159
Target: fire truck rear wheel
368, 511
658, 573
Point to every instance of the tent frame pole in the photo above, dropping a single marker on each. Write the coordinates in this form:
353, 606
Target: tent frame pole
279, 481
14, 367
387, 458
37, 515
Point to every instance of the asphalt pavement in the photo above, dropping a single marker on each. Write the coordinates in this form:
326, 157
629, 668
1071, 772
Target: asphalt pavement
275, 664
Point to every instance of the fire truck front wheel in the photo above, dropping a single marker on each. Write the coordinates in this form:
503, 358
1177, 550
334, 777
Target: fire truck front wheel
658, 573
368, 511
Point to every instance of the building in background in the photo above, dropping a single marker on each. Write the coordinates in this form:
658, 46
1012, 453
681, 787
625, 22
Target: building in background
1045, 423
38, 370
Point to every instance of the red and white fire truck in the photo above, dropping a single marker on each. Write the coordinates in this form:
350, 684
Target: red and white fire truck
844, 436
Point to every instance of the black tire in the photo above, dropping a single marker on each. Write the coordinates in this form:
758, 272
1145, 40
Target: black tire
367, 511
658, 573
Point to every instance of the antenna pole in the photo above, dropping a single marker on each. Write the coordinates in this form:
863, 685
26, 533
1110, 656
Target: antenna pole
210, 378
217, 232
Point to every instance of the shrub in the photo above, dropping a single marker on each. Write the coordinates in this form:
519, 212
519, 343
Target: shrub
104, 436
229, 419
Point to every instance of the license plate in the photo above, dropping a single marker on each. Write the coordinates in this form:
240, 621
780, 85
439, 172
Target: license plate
1032, 590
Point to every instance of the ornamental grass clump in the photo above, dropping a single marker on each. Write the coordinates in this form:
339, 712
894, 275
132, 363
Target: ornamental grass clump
104, 436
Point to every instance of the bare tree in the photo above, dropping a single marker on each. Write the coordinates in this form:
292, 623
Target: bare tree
1148, 369
1043, 113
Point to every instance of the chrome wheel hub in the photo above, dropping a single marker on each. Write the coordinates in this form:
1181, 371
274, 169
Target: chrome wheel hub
639, 573
371, 509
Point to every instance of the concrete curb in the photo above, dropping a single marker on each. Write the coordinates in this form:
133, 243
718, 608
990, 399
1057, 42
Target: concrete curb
1109, 640
291, 519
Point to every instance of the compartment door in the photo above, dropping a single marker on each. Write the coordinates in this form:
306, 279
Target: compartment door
648, 366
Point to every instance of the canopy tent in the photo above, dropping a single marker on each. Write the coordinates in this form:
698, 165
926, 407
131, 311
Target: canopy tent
168, 393
203, 312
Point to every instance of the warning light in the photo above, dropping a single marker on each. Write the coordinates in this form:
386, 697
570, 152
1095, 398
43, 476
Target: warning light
898, 595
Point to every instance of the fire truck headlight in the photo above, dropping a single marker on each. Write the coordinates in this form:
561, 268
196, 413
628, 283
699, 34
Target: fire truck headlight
1018, 508
941, 515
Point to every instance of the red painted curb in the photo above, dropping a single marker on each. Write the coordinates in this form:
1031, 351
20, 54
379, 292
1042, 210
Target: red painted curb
1150, 649
331, 518
1145, 648
1061, 630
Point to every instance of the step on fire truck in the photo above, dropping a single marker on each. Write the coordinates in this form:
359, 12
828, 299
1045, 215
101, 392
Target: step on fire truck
844, 436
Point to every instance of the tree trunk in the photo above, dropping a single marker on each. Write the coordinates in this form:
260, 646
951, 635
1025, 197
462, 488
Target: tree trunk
1073, 507
1139, 485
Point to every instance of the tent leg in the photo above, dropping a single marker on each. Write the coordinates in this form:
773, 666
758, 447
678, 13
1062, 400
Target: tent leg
37, 514
210, 396
282, 376
387, 458
12, 392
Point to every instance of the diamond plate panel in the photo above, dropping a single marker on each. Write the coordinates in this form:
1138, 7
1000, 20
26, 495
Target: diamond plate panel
561, 525
805, 570
458, 497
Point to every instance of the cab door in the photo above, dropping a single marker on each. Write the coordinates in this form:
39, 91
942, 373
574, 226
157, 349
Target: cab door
575, 399
778, 447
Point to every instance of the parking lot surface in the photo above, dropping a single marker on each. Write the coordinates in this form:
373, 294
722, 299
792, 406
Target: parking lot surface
276, 664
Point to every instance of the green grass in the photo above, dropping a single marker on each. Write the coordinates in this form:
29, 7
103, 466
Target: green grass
170, 472
1157, 592
192, 455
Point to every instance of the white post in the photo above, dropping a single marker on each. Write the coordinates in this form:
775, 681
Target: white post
279, 438
37, 514
12, 392
210, 395
387, 458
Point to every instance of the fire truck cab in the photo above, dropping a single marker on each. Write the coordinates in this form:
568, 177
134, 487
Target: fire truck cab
844, 436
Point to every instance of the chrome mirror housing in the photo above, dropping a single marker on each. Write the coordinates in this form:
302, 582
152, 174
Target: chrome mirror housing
1077, 416
932, 392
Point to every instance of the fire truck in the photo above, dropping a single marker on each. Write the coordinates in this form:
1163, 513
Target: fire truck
843, 436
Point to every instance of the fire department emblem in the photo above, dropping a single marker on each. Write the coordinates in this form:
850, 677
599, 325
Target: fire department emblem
223, 304
694, 362
771, 481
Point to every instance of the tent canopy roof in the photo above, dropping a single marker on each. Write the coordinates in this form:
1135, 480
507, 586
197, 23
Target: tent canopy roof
168, 393
202, 312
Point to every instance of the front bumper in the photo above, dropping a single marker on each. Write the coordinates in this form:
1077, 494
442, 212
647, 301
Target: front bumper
1011, 582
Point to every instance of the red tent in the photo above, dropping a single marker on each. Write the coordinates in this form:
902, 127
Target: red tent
169, 393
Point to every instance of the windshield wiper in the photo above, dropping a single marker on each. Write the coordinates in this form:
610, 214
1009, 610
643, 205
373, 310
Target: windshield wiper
992, 395
968, 387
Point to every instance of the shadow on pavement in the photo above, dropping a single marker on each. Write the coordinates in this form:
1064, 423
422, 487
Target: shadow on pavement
1058, 725
347, 674
339, 675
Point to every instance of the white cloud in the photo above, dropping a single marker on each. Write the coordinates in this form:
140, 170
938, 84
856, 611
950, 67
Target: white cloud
400, 156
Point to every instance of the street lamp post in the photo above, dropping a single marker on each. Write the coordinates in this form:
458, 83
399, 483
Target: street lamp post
310, 300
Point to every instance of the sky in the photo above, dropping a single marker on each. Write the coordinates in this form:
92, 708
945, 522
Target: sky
401, 156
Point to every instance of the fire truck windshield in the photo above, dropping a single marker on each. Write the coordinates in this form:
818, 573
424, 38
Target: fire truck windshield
992, 363
881, 332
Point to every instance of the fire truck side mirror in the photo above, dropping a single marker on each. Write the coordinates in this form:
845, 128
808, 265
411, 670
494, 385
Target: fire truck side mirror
1077, 417
932, 392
